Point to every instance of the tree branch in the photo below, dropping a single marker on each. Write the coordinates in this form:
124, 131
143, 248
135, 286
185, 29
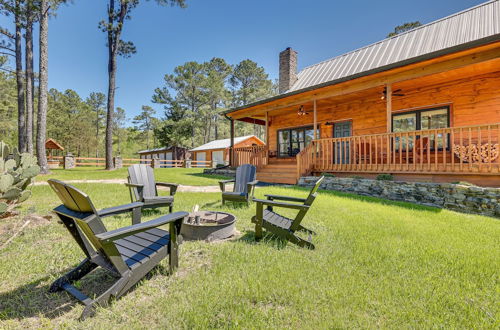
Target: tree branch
8, 71
8, 54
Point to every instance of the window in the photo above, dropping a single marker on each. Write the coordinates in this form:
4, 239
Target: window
422, 120
292, 141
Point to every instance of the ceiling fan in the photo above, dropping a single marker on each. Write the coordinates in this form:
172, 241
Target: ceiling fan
394, 93
301, 111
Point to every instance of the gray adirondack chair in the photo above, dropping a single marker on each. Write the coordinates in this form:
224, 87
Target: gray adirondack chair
280, 225
143, 187
244, 185
129, 253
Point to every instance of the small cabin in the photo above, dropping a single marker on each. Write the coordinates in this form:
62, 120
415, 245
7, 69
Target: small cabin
218, 150
165, 153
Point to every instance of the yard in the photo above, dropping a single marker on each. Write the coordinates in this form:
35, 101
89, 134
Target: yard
377, 264
185, 176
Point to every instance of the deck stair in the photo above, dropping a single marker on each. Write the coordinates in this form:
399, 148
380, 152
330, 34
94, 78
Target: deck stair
278, 171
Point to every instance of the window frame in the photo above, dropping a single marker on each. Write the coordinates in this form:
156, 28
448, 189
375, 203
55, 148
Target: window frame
290, 129
418, 118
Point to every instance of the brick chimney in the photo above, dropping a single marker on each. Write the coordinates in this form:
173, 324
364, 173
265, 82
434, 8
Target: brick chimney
288, 69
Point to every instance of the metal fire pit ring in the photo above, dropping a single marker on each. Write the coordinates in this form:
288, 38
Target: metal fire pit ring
208, 226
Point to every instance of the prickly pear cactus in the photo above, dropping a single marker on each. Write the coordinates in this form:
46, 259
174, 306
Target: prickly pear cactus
17, 171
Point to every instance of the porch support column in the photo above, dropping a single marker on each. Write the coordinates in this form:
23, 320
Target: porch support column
315, 121
231, 148
388, 98
267, 137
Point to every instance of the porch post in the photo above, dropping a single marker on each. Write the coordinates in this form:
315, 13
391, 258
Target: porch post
267, 137
388, 98
231, 148
315, 125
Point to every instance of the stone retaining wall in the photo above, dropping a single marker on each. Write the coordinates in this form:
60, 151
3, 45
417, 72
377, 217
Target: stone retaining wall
463, 198
220, 171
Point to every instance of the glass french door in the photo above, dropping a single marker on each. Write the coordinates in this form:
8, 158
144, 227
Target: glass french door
292, 141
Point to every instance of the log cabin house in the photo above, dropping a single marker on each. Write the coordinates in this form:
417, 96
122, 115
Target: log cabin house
218, 150
423, 105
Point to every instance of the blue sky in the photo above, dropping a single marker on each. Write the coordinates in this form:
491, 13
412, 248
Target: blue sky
232, 29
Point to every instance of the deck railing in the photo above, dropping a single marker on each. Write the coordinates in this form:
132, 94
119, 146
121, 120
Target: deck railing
255, 155
455, 150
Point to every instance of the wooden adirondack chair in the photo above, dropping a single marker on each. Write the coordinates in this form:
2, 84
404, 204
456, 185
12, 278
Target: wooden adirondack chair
280, 225
143, 188
129, 253
244, 184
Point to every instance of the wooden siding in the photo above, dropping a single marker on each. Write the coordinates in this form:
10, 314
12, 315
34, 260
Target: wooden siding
473, 101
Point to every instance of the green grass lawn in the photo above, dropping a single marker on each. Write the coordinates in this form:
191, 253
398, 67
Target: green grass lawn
185, 176
377, 264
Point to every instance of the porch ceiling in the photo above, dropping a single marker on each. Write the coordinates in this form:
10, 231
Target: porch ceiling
406, 86
451, 67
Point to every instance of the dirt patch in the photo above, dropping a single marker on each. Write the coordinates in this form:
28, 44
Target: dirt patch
15, 226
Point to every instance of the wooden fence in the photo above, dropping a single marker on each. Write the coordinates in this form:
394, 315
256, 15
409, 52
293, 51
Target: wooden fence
58, 161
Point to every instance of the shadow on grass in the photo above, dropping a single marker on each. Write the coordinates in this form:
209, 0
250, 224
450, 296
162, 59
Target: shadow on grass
269, 239
34, 299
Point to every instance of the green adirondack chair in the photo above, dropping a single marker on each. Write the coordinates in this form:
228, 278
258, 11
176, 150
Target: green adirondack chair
282, 226
143, 188
129, 253
244, 185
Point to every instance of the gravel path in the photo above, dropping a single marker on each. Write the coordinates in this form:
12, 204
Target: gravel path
181, 188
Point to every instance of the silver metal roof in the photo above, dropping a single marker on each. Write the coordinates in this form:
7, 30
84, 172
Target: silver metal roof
154, 150
221, 144
470, 25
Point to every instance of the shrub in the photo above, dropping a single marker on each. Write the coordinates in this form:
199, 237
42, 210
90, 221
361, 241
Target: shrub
464, 183
385, 177
220, 165
16, 173
356, 177
327, 175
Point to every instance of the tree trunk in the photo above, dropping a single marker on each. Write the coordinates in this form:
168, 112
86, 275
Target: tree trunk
97, 134
21, 119
29, 79
110, 105
43, 88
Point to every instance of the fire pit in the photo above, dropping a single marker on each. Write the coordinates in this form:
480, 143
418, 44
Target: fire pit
208, 225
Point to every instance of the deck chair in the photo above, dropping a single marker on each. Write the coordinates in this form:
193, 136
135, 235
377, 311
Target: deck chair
129, 253
244, 184
282, 226
143, 188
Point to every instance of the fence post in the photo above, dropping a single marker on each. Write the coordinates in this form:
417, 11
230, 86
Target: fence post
214, 163
118, 162
187, 163
69, 161
155, 163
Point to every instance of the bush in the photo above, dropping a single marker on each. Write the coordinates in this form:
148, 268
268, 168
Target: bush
357, 177
220, 165
327, 175
385, 177
464, 183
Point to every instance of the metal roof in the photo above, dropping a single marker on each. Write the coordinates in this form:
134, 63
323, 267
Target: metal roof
466, 29
221, 144
154, 150
469, 25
